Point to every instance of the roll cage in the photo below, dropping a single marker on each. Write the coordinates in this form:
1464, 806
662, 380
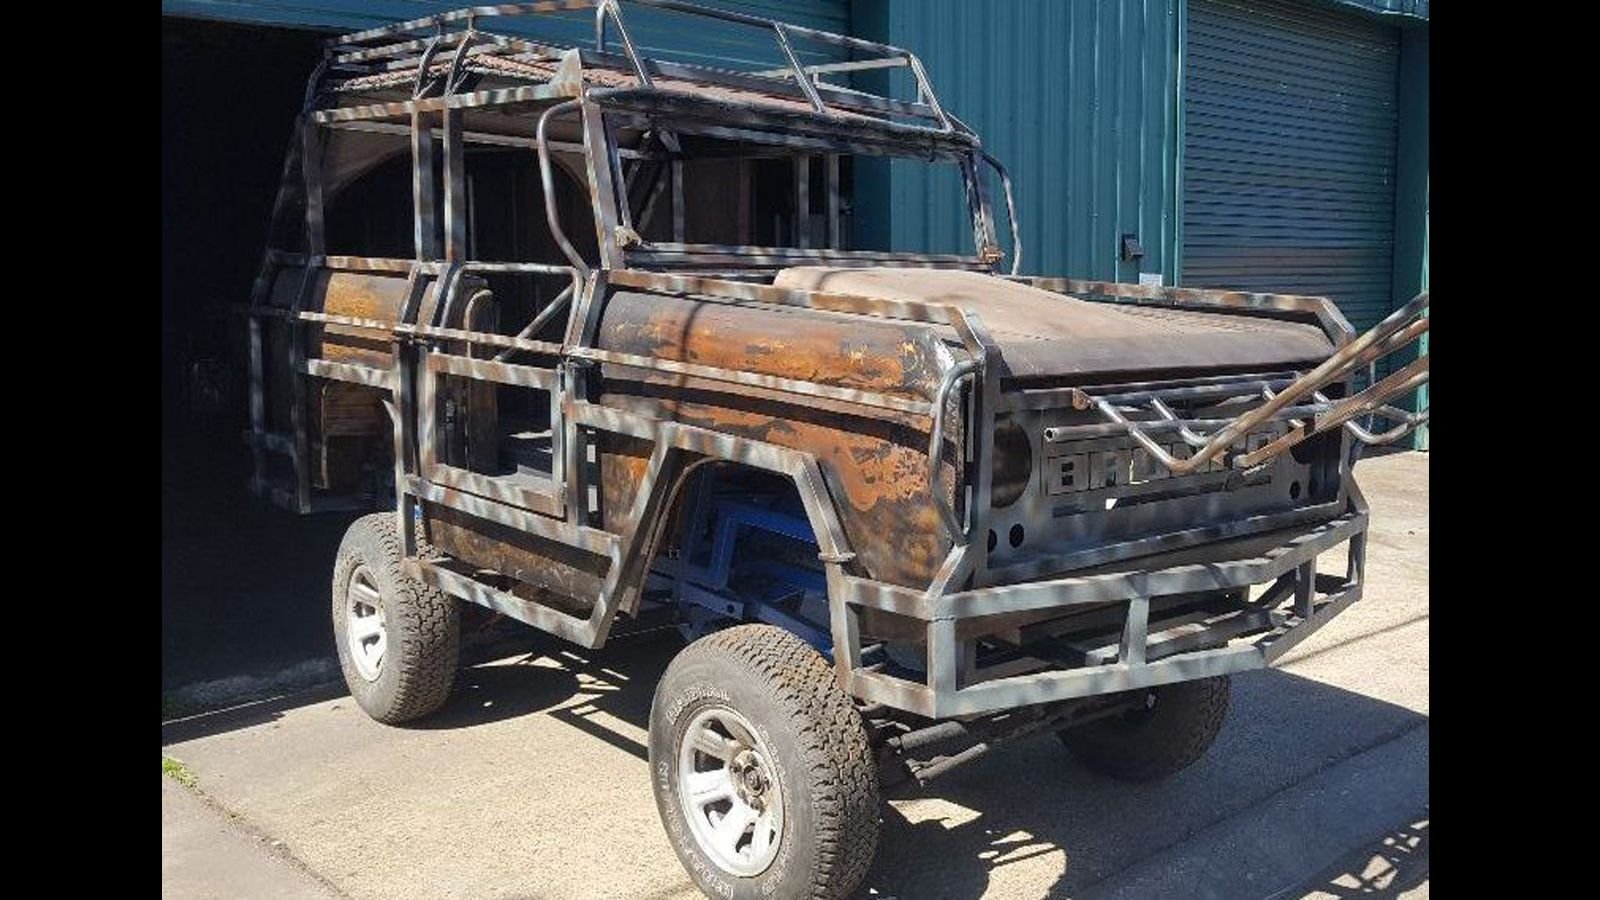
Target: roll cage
628, 112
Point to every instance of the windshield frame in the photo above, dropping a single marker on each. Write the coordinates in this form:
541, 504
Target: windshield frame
796, 132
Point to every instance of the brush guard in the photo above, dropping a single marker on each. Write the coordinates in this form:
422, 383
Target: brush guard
1298, 401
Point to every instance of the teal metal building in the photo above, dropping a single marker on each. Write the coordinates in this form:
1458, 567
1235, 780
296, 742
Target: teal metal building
1255, 144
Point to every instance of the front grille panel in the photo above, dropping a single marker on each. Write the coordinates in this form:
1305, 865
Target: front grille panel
1095, 496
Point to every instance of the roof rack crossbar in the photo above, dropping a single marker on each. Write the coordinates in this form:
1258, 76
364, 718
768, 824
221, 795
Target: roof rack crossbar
388, 47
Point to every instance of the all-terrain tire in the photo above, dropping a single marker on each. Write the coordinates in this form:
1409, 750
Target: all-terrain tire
822, 763
422, 626
1158, 741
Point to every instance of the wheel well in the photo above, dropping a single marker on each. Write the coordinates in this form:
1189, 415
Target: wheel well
737, 546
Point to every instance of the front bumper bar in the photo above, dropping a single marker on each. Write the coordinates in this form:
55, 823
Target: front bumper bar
1254, 638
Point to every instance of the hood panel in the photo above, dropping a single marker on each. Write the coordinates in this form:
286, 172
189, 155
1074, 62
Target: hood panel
1043, 334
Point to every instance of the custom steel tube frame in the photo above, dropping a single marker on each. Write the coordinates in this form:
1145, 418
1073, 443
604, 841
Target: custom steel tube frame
425, 351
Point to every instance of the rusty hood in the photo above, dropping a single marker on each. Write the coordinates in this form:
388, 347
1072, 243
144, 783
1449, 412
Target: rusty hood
1042, 334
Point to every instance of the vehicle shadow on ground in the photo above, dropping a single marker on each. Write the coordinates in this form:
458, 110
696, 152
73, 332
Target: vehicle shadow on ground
1033, 802
492, 684
1390, 866
1030, 801
541, 674
972, 831
507, 670
244, 715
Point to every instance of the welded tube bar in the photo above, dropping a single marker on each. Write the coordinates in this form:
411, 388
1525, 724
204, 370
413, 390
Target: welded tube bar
799, 71
860, 65
1011, 212
1066, 433
539, 321
1222, 389
1188, 435
952, 522
1408, 379
1409, 422
547, 181
609, 7
1358, 352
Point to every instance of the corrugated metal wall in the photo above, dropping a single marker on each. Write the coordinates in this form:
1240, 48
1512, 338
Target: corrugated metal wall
1289, 152
1411, 186
664, 35
1077, 99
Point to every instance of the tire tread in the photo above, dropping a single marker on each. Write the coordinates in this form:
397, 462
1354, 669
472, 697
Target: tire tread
1195, 711
833, 745
425, 646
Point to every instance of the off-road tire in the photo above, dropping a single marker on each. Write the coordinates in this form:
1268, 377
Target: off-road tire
1149, 744
824, 766
423, 626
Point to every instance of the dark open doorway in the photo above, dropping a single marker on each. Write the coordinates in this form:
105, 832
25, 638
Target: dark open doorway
229, 603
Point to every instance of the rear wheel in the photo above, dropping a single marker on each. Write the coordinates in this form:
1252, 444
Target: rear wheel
762, 773
398, 639
1162, 736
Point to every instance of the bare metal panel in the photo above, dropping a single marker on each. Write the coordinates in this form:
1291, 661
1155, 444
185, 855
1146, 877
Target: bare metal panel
1042, 334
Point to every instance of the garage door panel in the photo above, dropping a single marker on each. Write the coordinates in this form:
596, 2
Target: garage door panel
1289, 152
1296, 71
1271, 198
1335, 122
1301, 22
1254, 126
1307, 48
1313, 181
1257, 124
1292, 154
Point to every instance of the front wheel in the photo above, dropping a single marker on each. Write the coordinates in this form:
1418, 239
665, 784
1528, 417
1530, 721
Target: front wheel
762, 773
1173, 726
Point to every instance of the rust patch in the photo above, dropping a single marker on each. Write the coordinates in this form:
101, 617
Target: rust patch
540, 564
623, 462
877, 473
879, 484
359, 296
839, 351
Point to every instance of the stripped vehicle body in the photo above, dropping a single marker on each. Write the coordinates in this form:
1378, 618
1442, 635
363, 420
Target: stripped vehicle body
974, 491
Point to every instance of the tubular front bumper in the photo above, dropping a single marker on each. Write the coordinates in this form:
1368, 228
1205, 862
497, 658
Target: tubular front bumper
1253, 638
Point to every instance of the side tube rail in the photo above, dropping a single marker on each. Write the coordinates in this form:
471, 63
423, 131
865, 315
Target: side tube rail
1011, 211
508, 344
677, 449
258, 310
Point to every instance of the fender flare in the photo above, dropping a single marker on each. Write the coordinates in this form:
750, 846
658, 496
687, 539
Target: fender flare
678, 450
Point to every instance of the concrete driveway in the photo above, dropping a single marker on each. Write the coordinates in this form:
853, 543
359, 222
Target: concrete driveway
532, 782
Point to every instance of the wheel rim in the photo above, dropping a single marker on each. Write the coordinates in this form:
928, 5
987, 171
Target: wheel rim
729, 791
364, 627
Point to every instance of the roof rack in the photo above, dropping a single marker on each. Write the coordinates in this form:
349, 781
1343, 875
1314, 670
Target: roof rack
434, 54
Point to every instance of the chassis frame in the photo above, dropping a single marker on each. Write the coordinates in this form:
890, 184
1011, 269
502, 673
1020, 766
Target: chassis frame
1280, 551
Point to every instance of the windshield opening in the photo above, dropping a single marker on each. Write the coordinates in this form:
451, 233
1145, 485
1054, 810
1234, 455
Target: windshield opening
771, 199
